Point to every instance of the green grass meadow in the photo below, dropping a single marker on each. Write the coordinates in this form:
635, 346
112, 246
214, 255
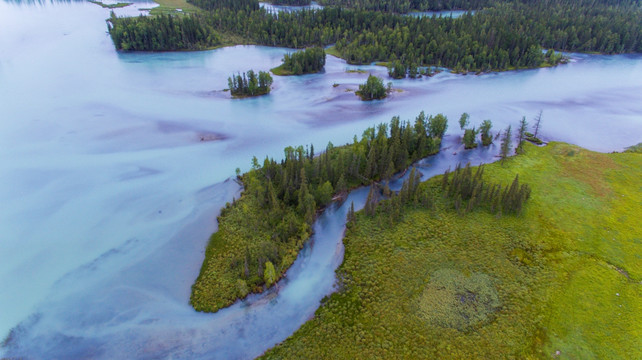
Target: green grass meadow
562, 280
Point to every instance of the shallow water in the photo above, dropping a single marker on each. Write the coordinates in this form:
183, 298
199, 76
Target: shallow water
113, 167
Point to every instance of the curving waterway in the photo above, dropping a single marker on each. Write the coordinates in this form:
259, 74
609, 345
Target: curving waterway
113, 167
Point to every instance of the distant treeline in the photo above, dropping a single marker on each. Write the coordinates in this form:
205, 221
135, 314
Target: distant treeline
259, 235
291, 2
406, 6
311, 60
250, 84
160, 33
502, 36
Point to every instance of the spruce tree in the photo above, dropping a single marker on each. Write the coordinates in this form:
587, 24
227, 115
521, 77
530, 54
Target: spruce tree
506, 143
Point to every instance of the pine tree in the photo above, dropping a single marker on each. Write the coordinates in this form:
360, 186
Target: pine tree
538, 121
506, 144
521, 136
464, 121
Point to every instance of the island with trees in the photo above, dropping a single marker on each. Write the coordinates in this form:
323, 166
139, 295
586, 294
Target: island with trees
250, 84
308, 61
373, 89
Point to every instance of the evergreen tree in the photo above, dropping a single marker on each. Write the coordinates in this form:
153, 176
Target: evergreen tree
538, 121
486, 136
506, 143
521, 136
464, 120
469, 138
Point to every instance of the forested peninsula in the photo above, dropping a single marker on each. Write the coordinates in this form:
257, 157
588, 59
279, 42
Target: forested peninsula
260, 234
308, 61
504, 35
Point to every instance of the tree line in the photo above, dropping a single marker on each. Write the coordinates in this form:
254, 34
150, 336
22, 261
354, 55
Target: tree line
260, 233
291, 2
405, 6
160, 33
503, 36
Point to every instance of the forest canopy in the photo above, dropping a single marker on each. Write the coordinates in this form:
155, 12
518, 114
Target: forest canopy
506, 35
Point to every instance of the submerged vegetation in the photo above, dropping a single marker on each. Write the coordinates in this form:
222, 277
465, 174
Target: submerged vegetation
562, 279
260, 234
504, 36
250, 84
308, 61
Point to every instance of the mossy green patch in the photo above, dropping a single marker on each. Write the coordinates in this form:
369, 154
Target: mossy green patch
173, 7
561, 280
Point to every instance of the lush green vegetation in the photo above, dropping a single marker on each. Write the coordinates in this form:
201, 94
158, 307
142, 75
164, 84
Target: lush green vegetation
250, 84
160, 33
502, 37
291, 2
405, 6
110, 6
373, 89
311, 60
172, 7
260, 234
561, 280
635, 148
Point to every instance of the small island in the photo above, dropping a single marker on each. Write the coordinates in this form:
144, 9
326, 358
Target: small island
249, 84
308, 61
110, 6
260, 233
373, 89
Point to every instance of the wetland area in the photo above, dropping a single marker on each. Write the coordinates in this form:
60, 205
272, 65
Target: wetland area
114, 166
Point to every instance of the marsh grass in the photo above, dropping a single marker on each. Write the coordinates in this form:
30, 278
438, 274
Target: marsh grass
566, 272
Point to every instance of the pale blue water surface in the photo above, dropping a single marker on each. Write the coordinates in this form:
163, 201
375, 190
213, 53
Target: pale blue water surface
113, 167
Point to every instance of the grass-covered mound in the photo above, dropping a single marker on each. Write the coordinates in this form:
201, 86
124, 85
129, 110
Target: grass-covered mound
560, 280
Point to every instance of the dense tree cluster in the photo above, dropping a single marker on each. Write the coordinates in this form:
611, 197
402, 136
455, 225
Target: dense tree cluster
404, 6
503, 36
373, 89
250, 84
291, 2
160, 33
392, 203
469, 191
310, 60
272, 219
234, 5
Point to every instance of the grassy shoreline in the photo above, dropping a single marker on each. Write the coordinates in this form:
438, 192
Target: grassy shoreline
564, 277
